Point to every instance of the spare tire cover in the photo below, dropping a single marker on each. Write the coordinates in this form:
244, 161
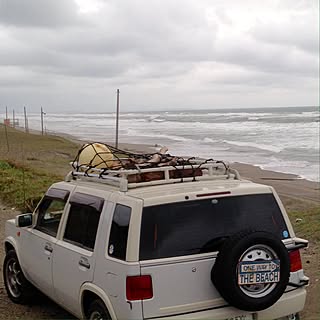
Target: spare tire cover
252, 270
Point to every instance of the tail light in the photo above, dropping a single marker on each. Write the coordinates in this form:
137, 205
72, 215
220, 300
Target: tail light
139, 287
295, 261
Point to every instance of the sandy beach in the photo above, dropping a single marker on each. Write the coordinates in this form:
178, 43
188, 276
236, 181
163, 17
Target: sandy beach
288, 186
300, 197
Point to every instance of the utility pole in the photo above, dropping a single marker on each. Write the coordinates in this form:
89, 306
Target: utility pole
6, 120
25, 120
117, 118
42, 114
13, 119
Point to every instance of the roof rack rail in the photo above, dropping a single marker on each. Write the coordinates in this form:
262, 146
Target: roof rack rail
124, 179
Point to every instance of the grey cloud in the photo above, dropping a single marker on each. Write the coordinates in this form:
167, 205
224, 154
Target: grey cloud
35, 13
152, 31
254, 78
162, 70
67, 65
153, 46
300, 33
267, 58
110, 46
16, 77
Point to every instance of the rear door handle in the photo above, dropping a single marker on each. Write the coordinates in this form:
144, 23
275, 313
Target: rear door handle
84, 262
48, 247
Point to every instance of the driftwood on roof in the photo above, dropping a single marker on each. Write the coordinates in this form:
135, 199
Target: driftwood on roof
105, 157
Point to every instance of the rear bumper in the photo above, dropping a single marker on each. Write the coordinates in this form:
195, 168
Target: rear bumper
290, 303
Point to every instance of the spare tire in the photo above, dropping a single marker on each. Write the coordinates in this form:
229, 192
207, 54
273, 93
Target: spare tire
240, 272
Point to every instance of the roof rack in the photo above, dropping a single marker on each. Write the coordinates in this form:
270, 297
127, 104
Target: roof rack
124, 179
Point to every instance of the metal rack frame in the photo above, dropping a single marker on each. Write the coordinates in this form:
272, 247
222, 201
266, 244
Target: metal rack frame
211, 170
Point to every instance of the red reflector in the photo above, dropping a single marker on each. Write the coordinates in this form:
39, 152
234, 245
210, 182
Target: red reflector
295, 261
139, 288
213, 194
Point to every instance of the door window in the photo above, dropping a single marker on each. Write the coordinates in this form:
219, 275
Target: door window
83, 220
117, 247
49, 215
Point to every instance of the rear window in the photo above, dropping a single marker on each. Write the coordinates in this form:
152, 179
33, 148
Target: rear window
193, 227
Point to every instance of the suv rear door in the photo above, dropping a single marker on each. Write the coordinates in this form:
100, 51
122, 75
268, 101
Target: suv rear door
179, 243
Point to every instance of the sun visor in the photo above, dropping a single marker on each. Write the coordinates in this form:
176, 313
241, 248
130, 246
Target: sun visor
87, 200
58, 194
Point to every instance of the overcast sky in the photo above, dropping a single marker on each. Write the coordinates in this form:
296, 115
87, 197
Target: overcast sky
72, 55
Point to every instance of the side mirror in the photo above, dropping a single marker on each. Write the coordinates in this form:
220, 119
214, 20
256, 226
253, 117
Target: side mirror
24, 220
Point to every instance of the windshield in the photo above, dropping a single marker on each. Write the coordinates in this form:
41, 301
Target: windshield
193, 227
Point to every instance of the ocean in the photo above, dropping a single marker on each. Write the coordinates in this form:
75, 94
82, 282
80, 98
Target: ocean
278, 139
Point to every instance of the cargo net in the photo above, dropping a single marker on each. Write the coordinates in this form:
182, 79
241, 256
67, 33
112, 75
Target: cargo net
103, 159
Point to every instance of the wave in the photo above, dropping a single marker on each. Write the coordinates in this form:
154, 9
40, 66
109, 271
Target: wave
286, 134
255, 145
303, 169
136, 133
206, 139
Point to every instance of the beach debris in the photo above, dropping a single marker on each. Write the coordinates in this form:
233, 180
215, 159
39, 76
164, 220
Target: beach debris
102, 159
102, 156
157, 157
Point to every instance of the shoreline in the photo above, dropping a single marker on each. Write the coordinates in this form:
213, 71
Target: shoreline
151, 148
289, 186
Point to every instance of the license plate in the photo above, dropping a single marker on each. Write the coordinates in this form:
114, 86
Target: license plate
241, 317
256, 272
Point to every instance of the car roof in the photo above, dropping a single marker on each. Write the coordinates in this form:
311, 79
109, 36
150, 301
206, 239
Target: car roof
195, 190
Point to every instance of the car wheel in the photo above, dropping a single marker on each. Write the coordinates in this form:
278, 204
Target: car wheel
252, 270
98, 311
18, 288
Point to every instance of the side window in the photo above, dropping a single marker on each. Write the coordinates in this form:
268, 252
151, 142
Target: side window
49, 215
117, 247
83, 220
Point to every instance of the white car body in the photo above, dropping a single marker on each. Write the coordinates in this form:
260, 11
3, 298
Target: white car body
181, 284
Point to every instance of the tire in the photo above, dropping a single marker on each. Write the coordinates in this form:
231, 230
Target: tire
250, 245
98, 311
18, 288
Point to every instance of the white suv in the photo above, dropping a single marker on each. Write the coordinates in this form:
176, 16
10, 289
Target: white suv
114, 246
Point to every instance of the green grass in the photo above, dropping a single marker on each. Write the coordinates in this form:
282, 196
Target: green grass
32, 163
306, 223
22, 187
48, 153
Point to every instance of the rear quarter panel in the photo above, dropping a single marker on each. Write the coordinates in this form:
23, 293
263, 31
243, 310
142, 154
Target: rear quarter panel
110, 273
